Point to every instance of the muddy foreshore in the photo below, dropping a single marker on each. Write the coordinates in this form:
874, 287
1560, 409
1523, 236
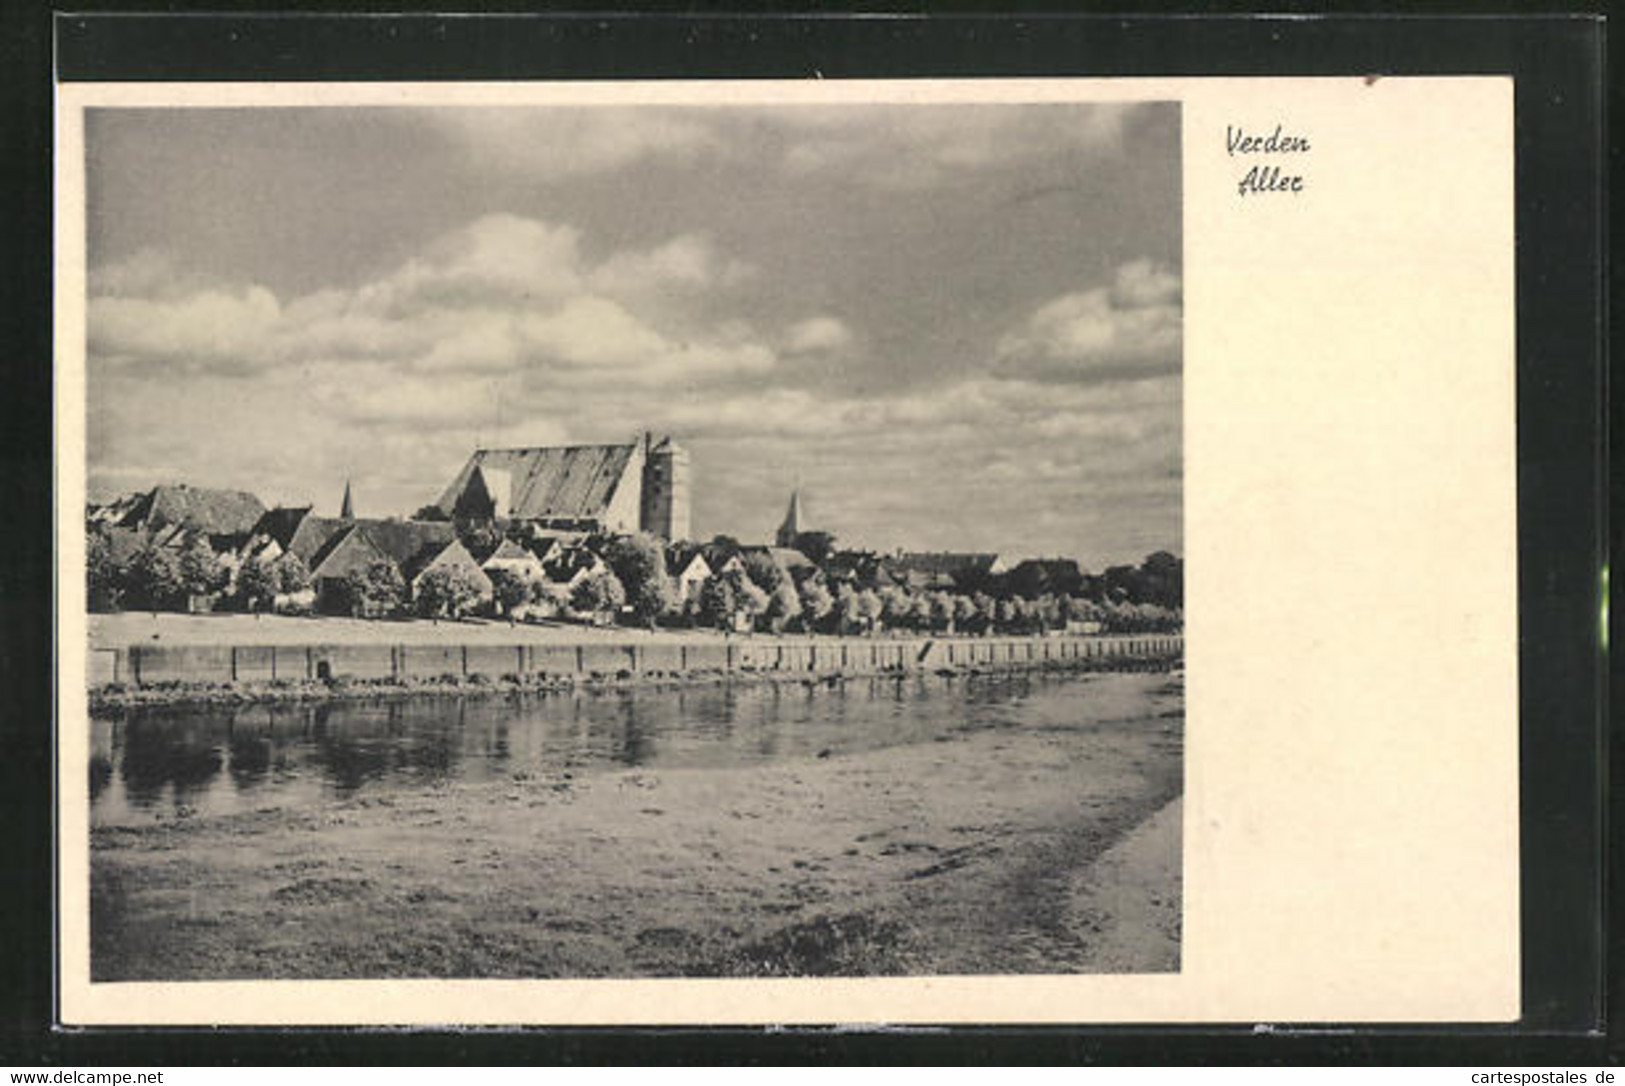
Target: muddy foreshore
112, 700
1048, 847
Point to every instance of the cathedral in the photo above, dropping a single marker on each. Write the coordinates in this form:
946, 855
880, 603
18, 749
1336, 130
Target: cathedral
641, 486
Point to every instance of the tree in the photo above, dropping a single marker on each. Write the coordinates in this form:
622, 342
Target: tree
157, 577
764, 572
449, 591
817, 546
105, 578
376, 590
510, 589
640, 562
940, 610
1121, 583
551, 598
870, 608
201, 569
717, 604
896, 606
986, 610
848, 612
292, 575
815, 602
726, 546
783, 605
430, 512
964, 612
748, 598
479, 537
257, 583
1162, 580
599, 595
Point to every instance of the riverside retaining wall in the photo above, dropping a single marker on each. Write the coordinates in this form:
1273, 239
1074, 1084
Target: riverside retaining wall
148, 665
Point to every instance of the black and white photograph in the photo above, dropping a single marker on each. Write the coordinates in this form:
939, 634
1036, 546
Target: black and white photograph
574, 541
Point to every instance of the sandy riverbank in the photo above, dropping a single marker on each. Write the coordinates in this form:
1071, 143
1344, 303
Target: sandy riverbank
1047, 847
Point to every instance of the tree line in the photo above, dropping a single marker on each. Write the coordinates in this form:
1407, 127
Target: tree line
838, 592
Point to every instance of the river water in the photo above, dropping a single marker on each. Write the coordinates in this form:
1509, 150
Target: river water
209, 760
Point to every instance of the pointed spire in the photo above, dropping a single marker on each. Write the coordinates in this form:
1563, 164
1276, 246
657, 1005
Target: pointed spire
792, 521
347, 509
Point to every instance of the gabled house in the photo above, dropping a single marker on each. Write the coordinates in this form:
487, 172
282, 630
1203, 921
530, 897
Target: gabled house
568, 566
351, 551
688, 570
447, 556
345, 546
722, 560
942, 570
511, 556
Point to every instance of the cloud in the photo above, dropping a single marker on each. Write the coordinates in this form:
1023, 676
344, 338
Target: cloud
897, 146
686, 264
503, 294
505, 332
1130, 327
224, 329
548, 143
919, 146
818, 335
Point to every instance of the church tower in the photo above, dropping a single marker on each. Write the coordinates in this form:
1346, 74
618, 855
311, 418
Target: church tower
347, 507
665, 505
792, 526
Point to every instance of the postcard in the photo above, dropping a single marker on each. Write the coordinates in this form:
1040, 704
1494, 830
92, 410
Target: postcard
985, 551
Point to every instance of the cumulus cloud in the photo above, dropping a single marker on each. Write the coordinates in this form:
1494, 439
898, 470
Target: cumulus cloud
1129, 327
503, 332
501, 294
226, 329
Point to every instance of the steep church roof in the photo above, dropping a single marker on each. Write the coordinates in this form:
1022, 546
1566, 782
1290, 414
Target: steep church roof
564, 481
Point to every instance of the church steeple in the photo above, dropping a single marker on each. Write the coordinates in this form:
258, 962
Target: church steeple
791, 528
347, 509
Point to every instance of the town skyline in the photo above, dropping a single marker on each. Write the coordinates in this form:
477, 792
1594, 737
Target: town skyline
948, 331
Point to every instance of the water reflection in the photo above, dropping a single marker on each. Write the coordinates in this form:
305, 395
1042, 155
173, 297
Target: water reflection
217, 760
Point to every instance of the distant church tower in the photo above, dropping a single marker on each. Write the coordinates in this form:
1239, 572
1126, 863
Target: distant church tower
347, 507
791, 528
665, 505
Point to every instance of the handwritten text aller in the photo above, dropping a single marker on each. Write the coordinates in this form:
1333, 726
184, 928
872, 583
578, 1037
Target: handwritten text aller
1265, 177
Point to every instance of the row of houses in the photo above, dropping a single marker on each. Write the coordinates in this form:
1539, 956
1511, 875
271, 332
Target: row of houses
239, 529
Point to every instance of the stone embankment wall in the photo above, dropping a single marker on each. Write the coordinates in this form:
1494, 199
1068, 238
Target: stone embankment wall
147, 665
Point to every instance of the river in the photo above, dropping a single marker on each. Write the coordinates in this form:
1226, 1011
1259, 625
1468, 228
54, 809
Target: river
653, 831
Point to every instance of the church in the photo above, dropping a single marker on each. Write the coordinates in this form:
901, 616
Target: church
640, 486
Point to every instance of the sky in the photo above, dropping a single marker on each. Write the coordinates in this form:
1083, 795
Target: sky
954, 327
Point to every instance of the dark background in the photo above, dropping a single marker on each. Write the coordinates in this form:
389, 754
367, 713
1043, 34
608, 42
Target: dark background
1563, 526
